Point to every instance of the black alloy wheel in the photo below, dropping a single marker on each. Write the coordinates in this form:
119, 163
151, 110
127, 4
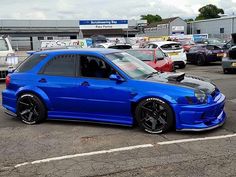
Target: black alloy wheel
154, 116
30, 109
201, 60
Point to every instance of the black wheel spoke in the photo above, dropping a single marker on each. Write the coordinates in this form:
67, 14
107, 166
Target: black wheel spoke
147, 109
30, 116
23, 103
154, 124
25, 112
162, 120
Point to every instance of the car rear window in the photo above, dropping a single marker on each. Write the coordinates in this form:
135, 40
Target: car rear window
171, 46
30, 62
120, 47
144, 55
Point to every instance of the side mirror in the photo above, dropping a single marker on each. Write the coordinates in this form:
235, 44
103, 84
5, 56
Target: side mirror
116, 77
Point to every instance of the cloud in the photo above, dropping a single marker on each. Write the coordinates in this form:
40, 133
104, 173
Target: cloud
106, 9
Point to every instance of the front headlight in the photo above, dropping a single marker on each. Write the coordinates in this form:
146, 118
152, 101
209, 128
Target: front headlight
201, 96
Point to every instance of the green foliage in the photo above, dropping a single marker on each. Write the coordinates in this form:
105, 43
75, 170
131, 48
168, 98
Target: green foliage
209, 11
151, 18
189, 20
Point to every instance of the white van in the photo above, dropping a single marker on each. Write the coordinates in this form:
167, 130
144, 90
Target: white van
7, 57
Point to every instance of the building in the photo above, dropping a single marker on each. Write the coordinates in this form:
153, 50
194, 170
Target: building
27, 34
166, 27
218, 27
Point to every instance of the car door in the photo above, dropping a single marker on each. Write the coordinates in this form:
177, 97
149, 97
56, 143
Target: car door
98, 97
57, 79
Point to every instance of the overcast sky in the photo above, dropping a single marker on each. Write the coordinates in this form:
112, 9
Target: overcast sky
105, 9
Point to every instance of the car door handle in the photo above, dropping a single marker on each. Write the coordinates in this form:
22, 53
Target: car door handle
85, 84
42, 80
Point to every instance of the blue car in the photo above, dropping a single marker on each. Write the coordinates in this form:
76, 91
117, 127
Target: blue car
110, 86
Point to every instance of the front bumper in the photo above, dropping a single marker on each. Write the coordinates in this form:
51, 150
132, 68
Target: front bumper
201, 117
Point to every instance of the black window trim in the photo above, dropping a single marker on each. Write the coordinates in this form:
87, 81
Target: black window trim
41, 71
97, 78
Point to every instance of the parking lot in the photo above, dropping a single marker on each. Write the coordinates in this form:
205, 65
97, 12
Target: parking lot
58, 148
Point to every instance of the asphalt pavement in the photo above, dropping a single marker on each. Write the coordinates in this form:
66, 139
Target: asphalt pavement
56, 148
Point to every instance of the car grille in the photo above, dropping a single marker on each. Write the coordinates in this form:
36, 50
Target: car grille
3, 74
215, 93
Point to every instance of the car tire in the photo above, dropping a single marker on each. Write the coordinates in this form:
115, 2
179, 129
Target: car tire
154, 116
226, 71
182, 66
201, 60
30, 109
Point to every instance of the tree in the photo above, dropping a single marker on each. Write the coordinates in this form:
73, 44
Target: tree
189, 20
209, 11
151, 18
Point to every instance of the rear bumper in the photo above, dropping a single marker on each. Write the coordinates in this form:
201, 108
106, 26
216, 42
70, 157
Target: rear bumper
227, 63
201, 117
9, 101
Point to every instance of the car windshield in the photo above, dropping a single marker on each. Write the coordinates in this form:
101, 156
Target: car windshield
3, 45
173, 46
144, 55
132, 66
215, 41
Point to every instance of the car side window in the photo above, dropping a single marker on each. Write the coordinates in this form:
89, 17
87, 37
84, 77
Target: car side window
160, 54
91, 66
154, 46
210, 47
61, 65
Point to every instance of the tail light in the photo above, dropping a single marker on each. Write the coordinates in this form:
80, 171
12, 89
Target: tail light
226, 54
8, 80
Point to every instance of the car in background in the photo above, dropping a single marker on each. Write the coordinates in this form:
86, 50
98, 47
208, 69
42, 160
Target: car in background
8, 59
187, 45
173, 49
202, 54
212, 41
119, 46
154, 58
229, 61
113, 87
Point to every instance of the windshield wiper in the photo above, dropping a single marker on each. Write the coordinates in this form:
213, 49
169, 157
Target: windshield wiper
151, 74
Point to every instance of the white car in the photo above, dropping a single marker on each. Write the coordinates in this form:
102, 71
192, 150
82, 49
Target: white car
173, 49
108, 45
7, 57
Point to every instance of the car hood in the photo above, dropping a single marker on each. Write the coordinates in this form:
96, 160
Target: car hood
180, 79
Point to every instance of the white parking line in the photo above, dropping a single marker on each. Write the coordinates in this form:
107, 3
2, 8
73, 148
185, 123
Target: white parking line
196, 139
129, 148
85, 154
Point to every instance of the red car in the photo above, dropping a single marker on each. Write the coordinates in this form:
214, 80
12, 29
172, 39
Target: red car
154, 58
187, 45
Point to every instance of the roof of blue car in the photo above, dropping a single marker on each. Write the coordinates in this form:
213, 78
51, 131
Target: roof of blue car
92, 50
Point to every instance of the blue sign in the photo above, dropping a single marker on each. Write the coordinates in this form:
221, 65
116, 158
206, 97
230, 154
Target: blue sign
103, 24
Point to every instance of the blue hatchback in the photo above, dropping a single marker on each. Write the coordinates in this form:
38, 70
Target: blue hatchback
110, 86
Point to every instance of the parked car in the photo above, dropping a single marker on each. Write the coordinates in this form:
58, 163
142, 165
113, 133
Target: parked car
229, 61
7, 57
203, 54
154, 58
187, 45
110, 86
213, 41
173, 49
114, 46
